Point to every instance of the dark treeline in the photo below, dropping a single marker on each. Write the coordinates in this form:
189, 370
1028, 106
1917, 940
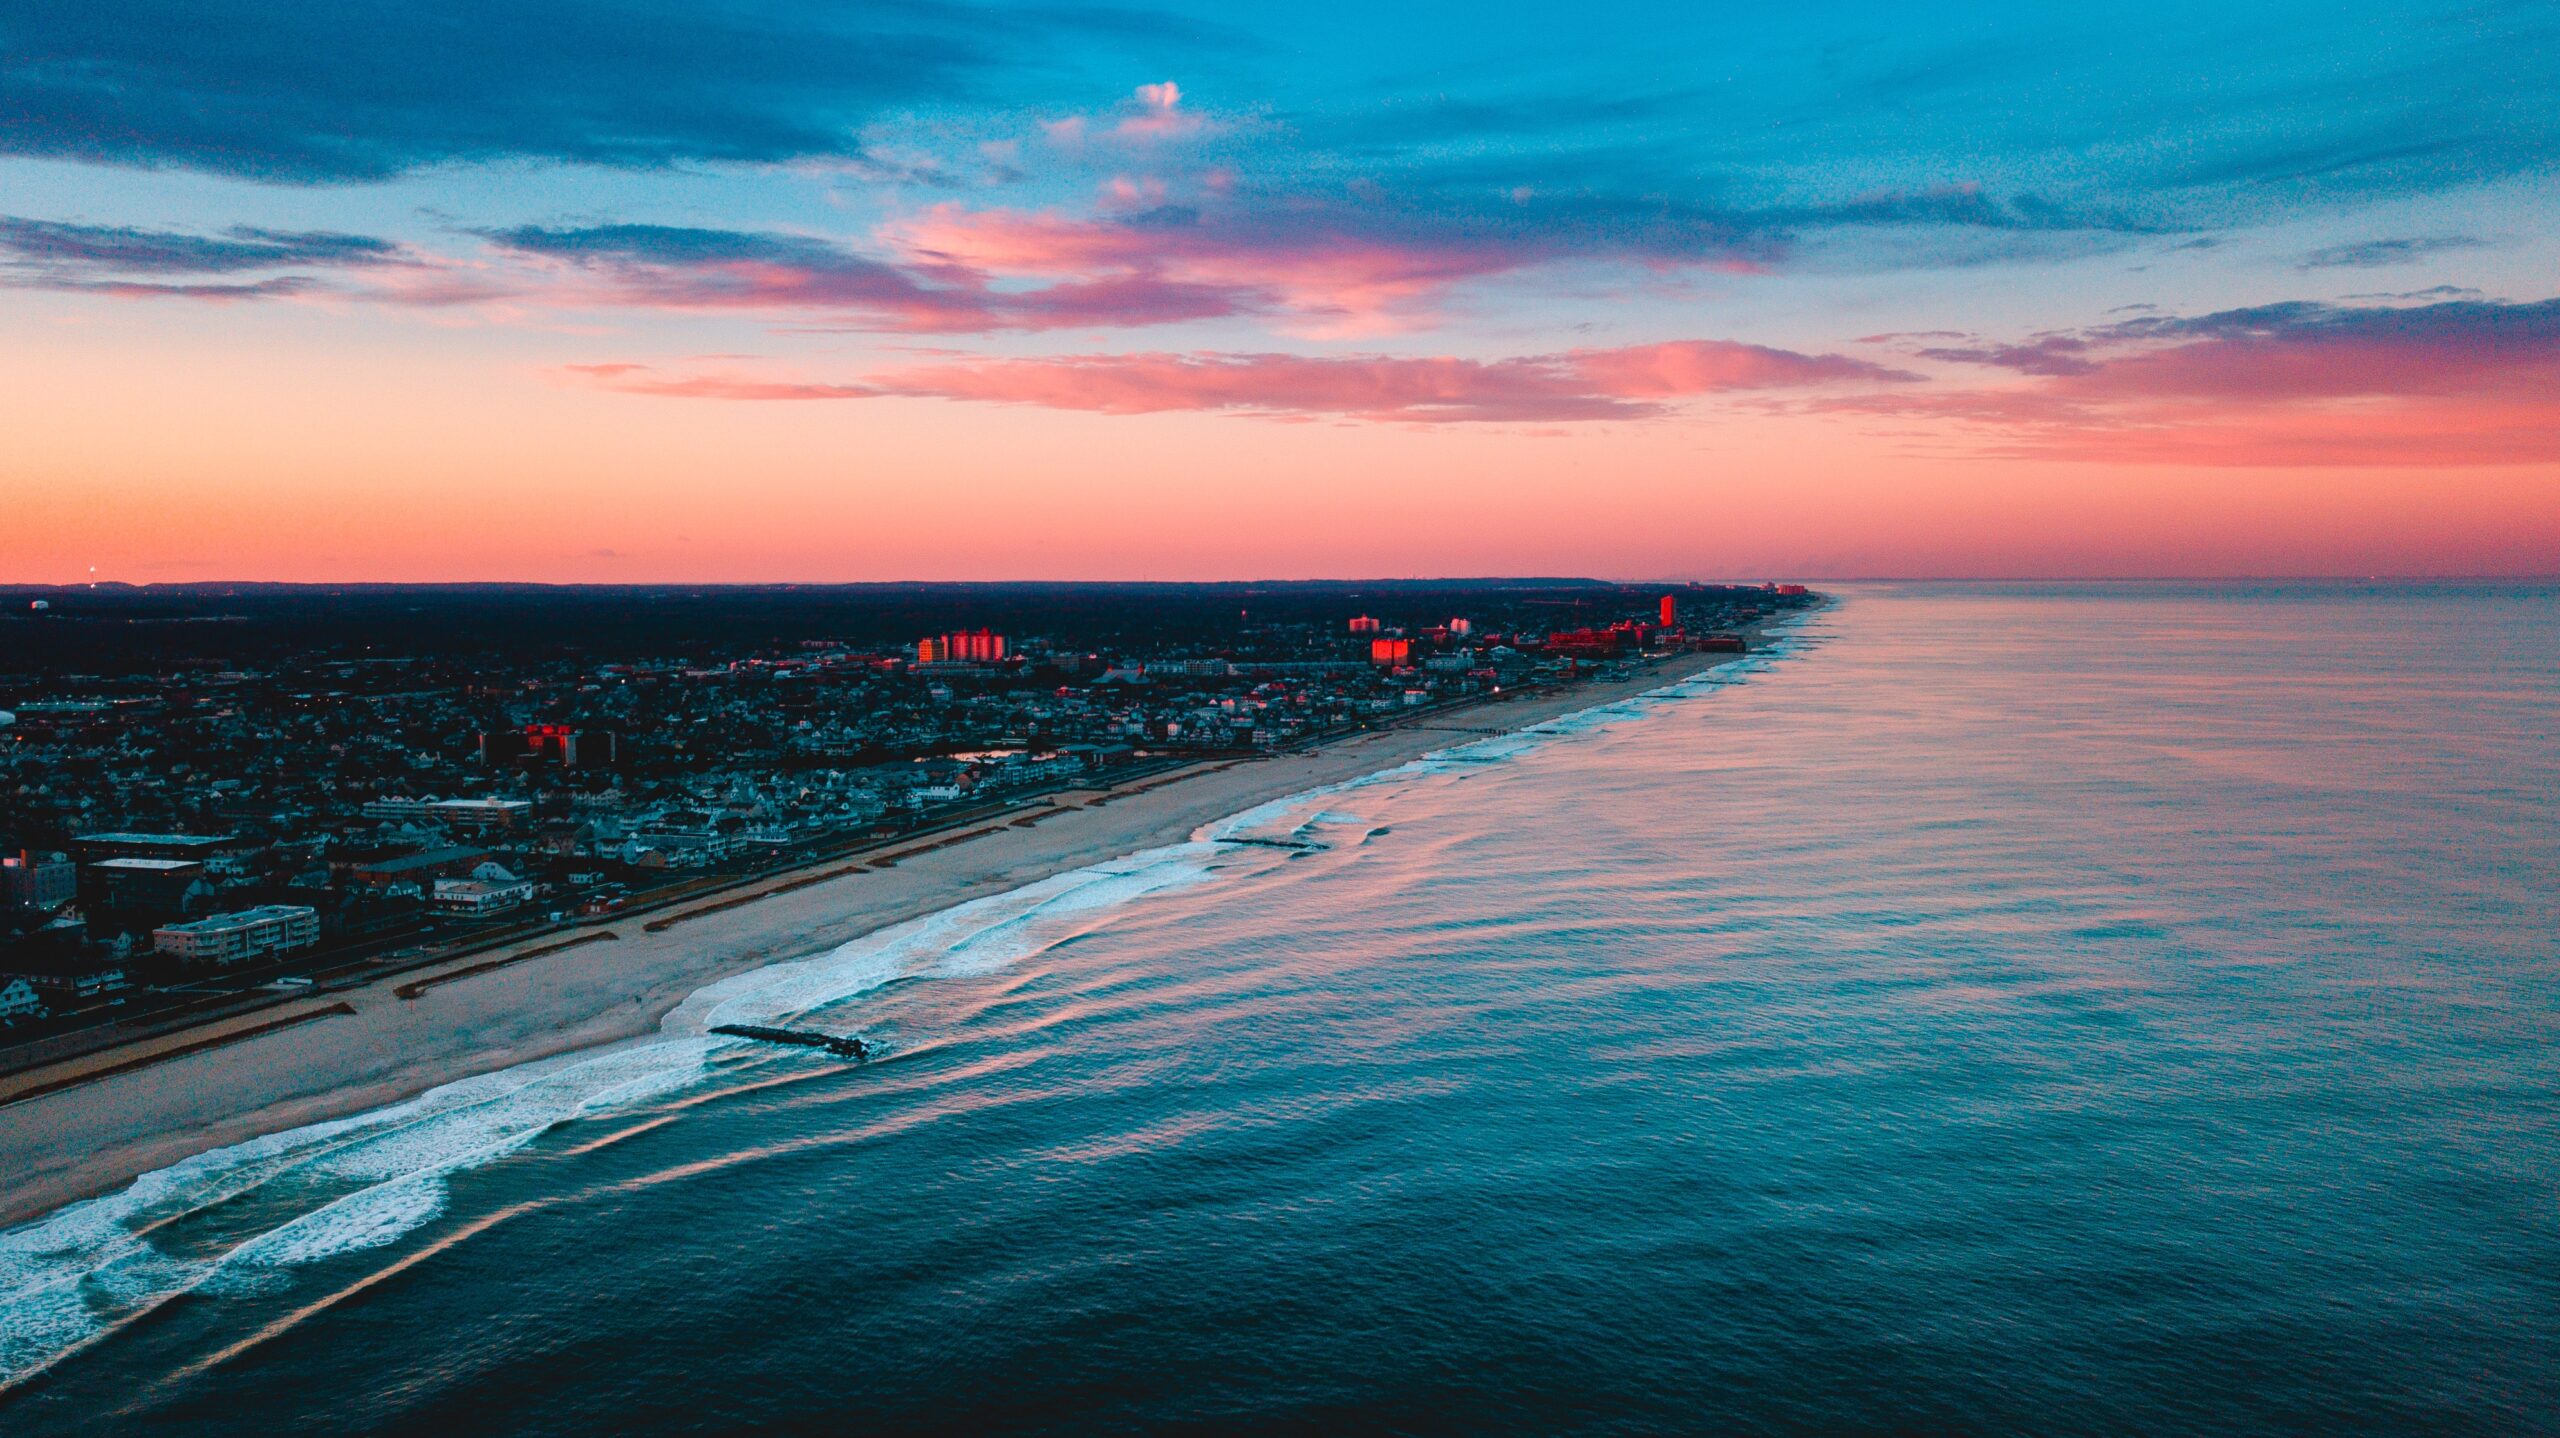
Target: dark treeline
110, 629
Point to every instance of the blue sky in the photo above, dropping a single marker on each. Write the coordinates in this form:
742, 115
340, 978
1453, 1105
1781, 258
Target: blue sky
803, 194
1839, 137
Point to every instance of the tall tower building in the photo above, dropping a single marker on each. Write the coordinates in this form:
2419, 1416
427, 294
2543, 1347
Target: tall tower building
979, 646
1670, 612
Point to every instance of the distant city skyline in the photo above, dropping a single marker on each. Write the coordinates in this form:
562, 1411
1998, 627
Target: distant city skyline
700, 292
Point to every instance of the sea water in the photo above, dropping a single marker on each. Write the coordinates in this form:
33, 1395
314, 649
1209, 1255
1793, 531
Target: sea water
1992, 1009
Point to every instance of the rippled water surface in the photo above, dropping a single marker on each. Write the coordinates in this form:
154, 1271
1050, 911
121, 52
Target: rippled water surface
2117, 1010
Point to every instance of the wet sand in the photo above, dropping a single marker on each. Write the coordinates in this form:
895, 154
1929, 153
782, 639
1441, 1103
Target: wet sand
350, 1050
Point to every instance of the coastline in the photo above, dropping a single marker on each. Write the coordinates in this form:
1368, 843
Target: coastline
91, 1125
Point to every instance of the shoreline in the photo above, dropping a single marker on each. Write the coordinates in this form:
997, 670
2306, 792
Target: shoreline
89, 1125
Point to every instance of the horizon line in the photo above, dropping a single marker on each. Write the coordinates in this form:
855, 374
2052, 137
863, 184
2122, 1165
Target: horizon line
24, 586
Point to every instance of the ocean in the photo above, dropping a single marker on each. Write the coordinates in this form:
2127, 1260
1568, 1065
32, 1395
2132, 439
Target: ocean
1991, 1009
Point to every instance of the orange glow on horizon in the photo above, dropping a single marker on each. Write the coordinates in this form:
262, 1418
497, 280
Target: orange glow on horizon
282, 461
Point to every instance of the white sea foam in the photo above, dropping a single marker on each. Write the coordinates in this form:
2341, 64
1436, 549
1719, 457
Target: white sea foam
975, 937
370, 1180
367, 1218
71, 1278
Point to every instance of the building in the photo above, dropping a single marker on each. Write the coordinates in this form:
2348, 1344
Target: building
19, 1000
37, 883
395, 808
473, 898
140, 883
1363, 624
561, 744
419, 868
237, 937
1670, 612
72, 979
1393, 653
476, 815
1623, 637
196, 848
972, 646
482, 815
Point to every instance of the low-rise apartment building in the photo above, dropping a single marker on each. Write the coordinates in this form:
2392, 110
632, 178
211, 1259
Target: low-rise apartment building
247, 934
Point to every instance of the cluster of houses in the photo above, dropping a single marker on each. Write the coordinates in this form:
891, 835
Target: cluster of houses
171, 825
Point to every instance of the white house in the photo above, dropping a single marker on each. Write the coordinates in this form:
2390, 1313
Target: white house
19, 1000
475, 897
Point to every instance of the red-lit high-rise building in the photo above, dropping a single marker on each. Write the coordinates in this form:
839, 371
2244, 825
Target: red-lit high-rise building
562, 744
976, 646
1670, 612
973, 646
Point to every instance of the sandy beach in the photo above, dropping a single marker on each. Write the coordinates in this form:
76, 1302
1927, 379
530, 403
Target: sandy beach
359, 1048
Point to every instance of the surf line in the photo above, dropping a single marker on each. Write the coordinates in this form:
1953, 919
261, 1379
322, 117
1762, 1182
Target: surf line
288, 1322
1562, 726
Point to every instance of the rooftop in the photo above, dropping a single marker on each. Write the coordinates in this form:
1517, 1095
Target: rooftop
425, 859
244, 918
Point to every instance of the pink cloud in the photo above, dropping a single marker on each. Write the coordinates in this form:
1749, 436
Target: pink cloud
1632, 383
1133, 191
1687, 367
1158, 116
1310, 269
690, 269
1359, 262
640, 379
2469, 384
2458, 384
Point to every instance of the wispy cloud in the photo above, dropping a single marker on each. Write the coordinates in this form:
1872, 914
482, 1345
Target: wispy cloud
213, 292
2377, 254
132, 249
1331, 267
1635, 382
2457, 383
820, 280
136, 262
2045, 354
1371, 257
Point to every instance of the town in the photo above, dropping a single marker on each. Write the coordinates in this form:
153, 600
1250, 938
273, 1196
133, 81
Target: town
208, 793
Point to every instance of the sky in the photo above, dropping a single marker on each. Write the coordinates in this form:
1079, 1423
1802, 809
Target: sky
801, 290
